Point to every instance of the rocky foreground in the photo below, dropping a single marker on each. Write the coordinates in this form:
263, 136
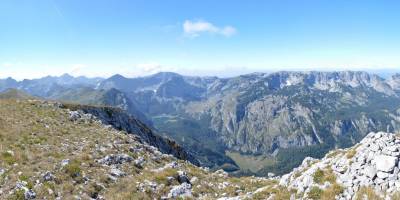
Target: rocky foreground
48, 151
369, 170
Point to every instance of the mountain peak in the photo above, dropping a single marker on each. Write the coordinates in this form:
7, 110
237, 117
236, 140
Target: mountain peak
117, 77
165, 75
66, 75
9, 79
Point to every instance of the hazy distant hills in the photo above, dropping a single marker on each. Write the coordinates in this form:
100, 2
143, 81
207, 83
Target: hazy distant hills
12, 93
47, 85
258, 122
75, 90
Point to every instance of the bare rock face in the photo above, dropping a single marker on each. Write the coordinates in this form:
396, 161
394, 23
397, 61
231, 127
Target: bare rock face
372, 163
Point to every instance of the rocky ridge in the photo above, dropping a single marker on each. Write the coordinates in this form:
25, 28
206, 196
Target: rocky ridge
121, 120
372, 165
51, 152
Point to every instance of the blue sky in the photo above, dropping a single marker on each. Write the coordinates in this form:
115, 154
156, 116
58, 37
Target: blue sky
208, 37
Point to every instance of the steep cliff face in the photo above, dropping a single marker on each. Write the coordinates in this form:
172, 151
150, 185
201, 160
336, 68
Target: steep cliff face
394, 82
265, 114
296, 116
120, 120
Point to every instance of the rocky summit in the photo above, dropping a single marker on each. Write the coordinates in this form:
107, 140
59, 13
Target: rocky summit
371, 168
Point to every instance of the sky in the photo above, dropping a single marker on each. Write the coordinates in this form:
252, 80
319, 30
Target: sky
208, 37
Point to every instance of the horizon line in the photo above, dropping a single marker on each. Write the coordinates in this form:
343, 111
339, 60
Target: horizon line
390, 72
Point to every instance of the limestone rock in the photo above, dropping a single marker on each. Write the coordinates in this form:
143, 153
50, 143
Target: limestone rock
382, 175
373, 164
48, 176
29, 194
183, 190
115, 159
370, 172
139, 162
116, 172
385, 163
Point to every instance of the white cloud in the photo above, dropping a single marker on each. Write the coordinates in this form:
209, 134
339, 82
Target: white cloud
78, 69
135, 70
149, 67
195, 28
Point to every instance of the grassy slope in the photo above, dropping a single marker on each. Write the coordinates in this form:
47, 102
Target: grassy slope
35, 137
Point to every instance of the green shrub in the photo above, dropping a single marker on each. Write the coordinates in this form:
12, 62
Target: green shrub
321, 176
315, 193
25, 178
73, 169
318, 176
18, 195
8, 158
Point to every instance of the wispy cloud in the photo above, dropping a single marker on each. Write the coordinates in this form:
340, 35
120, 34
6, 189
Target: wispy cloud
198, 27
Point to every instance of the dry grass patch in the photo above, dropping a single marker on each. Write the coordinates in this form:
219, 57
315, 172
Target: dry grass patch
335, 153
351, 153
332, 191
368, 193
279, 193
162, 176
321, 176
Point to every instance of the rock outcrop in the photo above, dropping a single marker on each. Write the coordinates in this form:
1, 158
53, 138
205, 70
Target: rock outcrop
121, 120
373, 164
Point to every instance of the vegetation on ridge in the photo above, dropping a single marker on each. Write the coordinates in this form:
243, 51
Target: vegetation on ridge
38, 137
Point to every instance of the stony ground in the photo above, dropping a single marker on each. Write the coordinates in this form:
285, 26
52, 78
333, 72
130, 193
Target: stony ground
369, 170
48, 153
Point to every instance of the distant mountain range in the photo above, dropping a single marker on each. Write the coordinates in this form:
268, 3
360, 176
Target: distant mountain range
249, 124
